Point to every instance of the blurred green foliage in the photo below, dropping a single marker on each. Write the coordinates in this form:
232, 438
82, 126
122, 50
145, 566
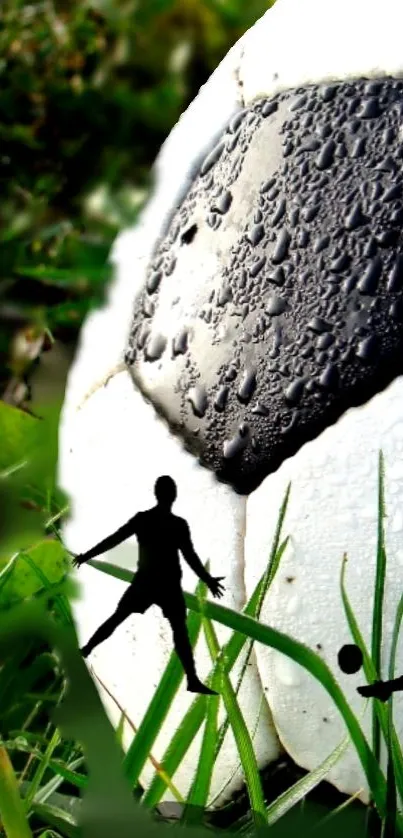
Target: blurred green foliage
30, 501
89, 90
88, 93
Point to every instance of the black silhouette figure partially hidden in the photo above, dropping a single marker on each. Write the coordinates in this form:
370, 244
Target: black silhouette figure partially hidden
350, 659
157, 581
381, 689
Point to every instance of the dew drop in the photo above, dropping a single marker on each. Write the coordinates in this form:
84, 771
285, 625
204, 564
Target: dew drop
235, 446
310, 212
329, 377
294, 391
367, 348
371, 248
286, 671
281, 248
340, 263
278, 276
154, 281
170, 264
256, 234
148, 307
267, 185
276, 305
257, 266
396, 310
328, 92
299, 103
221, 399
393, 193
224, 295
321, 243
260, 409
143, 334
198, 399
310, 145
223, 203
302, 238
269, 108
369, 282
358, 147
324, 341
212, 158
325, 157
395, 280
236, 121
369, 109
279, 212
388, 164
189, 234
317, 324
355, 218
247, 386
155, 347
231, 374
180, 342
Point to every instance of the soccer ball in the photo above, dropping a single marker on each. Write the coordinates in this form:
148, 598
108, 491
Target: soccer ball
253, 336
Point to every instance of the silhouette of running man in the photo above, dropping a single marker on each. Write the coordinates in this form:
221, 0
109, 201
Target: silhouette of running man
160, 534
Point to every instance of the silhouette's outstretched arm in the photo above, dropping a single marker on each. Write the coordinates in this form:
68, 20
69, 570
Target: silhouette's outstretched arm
381, 689
191, 556
130, 528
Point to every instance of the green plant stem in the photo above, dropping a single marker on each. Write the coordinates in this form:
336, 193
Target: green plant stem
378, 604
13, 819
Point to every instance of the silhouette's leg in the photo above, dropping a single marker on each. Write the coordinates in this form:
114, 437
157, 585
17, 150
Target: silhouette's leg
135, 598
185, 654
105, 630
183, 647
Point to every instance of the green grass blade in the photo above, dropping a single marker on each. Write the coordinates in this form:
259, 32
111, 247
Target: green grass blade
305, 657
112, 570
159, 706
176, 750
190, 725
389, 823
60, 600
59, 819
378, 603
155, 763
271, 570
370, 674
276, 554
238, 766
63, 772
302, 787
49, 788
299, 790
193, 719
66, 773
7, 571
391, 802
241, 734
197, 798
264, 586
120, 729
41, 769
13, 818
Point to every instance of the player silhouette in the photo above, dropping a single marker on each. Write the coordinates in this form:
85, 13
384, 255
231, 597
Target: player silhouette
160, 534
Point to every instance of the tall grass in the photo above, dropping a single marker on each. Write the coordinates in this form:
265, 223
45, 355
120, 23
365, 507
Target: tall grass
22, 801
